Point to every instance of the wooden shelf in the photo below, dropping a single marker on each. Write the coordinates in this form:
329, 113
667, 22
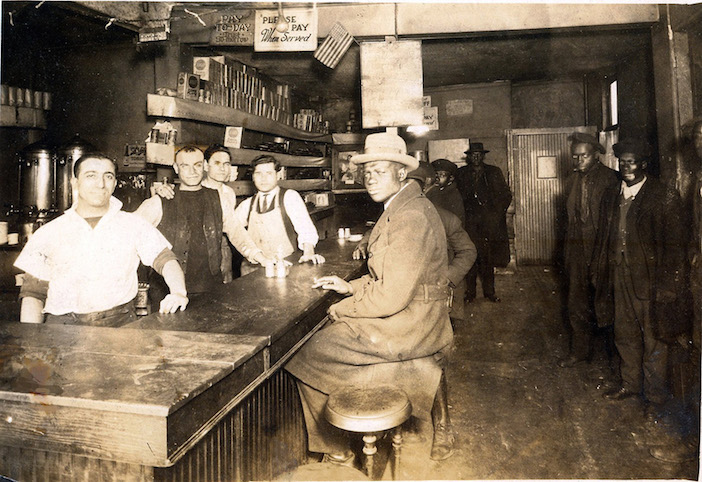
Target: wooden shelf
175, 108
246, 188
345, 138
25, 117
245, 156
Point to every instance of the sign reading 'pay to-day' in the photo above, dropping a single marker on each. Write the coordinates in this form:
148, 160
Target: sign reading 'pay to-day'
299, 30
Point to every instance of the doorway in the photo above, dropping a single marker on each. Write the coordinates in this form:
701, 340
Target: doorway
539, 163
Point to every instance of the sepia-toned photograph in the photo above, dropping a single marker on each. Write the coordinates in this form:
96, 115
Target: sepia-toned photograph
350, 240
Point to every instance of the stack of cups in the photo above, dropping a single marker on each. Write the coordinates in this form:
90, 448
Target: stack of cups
3, 232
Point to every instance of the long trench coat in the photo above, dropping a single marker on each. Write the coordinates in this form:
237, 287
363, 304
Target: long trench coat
396, 324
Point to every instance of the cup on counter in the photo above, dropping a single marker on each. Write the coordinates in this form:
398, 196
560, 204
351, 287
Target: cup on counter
13, 239
3, 232
342, 233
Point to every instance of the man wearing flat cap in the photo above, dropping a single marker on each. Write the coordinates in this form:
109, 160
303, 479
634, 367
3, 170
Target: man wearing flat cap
644, 257
585, 189
393, 327
486, 198
443, 192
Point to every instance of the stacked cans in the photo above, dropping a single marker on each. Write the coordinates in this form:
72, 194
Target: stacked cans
20, 97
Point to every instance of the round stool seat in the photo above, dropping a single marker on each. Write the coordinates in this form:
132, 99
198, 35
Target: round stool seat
372, 409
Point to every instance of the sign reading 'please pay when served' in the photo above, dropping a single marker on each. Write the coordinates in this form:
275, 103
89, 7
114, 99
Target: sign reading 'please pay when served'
300, 35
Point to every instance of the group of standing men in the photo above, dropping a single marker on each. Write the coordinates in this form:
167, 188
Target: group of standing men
626, 262
81, 268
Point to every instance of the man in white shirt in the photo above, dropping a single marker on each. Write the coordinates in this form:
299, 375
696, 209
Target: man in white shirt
219, 170
81, 268
276, 218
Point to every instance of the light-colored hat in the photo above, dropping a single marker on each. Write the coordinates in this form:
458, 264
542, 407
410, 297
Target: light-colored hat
385, 146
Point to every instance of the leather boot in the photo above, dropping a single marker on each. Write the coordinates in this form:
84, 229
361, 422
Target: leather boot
443, 441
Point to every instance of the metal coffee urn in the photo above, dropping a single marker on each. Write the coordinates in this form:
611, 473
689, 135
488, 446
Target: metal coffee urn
36, 179
66, 156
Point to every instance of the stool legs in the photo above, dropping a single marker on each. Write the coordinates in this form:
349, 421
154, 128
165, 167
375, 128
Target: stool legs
369, 449
396, 446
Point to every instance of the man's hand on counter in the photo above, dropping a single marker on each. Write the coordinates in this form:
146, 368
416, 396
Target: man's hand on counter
314, 258
173, 302
361, 251
333, 283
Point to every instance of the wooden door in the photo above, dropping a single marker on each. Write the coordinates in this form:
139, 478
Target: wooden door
539, 163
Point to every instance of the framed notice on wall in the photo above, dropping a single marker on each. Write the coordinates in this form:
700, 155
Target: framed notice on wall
391, 84
299, 32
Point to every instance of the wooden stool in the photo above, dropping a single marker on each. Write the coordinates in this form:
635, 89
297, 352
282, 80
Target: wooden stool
369, 411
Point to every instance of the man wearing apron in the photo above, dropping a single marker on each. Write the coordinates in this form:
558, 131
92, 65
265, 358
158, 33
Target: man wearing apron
277, 219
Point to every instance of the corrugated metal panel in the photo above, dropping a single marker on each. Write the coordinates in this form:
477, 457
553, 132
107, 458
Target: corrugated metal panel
539, 200
263, 437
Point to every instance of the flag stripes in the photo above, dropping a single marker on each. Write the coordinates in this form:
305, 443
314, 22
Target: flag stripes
334, 46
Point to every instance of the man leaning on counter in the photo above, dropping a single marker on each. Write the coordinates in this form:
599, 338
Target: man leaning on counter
81, 268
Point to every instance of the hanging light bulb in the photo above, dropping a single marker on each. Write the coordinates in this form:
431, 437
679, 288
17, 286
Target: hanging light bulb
282, 25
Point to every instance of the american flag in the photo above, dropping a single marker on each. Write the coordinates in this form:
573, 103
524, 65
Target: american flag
334, 46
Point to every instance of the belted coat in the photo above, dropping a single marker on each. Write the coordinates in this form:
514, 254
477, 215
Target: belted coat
395, 325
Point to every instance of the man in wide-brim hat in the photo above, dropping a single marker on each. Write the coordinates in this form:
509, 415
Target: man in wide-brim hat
394, 324
486, 198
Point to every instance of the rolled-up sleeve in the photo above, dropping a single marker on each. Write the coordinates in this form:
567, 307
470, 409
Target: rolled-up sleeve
300, 218
239, 236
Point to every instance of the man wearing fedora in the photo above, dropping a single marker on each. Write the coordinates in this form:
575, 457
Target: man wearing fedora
486, 198
393, 327
585, 189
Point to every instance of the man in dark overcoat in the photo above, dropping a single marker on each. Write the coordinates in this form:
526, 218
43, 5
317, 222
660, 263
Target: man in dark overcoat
394, 325
645, 256
586, 187
486, 198
443, 192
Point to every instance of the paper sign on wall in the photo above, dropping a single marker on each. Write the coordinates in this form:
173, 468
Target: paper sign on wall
232, 136
301, 33
426, 101
233, 27
431, 118
459, 107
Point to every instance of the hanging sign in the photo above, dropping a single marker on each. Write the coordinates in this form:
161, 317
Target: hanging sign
233, 27
300, 34
391, 83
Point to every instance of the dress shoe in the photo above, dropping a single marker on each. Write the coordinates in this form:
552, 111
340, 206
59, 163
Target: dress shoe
570, 360
442, 445
341, 458
619, 394
493, 298
675, 453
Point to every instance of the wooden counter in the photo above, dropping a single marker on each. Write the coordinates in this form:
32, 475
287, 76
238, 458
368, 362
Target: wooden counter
167, 389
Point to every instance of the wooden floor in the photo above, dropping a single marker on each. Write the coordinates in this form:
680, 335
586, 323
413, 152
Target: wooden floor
518, 415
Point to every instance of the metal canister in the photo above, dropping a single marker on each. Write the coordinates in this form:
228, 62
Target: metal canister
47, 100
67, 154
19, 96
28, 98
37, 176
38, 99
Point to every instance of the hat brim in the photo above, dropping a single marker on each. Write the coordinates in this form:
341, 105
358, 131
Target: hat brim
411, 162
475, 150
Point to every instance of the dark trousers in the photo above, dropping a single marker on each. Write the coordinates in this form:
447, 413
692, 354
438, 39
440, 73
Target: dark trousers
580, 310
644, 359
322, 436
487, 278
